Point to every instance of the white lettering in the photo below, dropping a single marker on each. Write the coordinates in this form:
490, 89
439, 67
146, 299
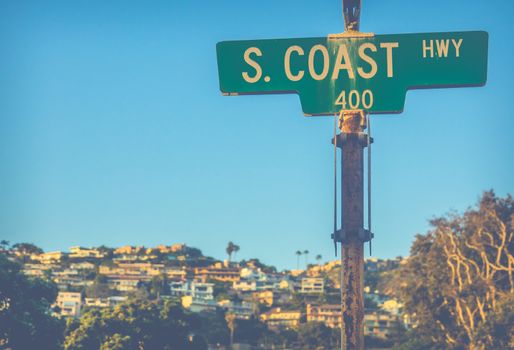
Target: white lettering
312, 54
389, 54
287, 63
368, 60
253, 64
442, 47
457, 46
428, 48
369, 95
342, 54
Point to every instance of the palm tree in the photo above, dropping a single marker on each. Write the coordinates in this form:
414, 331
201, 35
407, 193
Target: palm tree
306, 253
236, 249
318, 258
230, 249
298, 254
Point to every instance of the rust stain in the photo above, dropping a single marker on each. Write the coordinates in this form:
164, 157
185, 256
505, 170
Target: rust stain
352, 251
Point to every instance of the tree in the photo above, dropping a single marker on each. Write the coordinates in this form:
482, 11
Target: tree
134, 325
298, 254
306, 253
249, 331
25, 321
318, 259
214, 327
99, 288
159, 285
458, 282
4, 245
236, 249
106, 251
230, 250
116, 342
27, 248
315, 335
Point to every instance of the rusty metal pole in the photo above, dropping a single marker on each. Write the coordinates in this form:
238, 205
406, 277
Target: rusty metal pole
352, 140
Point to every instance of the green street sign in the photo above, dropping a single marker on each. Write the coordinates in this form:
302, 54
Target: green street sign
369, 73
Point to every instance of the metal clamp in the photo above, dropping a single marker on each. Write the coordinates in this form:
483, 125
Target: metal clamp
343, 236
362, 138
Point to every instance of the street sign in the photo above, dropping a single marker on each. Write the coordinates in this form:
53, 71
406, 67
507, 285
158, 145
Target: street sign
370, 73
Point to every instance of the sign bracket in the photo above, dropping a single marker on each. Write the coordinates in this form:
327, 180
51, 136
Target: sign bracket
351, 14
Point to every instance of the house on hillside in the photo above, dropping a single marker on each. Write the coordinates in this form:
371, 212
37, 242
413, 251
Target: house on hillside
69, 304
328, 314
312, 285
80, 252
279, 318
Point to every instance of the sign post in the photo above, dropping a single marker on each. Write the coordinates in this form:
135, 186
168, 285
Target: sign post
352, 235
352, 75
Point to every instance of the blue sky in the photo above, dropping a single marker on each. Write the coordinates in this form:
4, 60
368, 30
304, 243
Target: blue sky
113, 130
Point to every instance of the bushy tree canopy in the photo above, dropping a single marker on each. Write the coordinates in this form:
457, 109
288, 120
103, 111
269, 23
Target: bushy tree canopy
25, 320
458, 283
135, 325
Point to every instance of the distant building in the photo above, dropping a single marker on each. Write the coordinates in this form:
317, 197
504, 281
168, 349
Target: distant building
217, 272
105, 302
197, 305
245, 285
125, 283
48, 258
281, 319
312, 285
252, 274
38, 270
179, 274
196, 290
130, 250
380, 324
170, 249
81, 266
266, 297
69, 303
80, 252
243, 310
133, 269
69, 277
329, 314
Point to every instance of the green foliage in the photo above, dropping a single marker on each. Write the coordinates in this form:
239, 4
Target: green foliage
134, 325
413, 341
220, 289
231, 249
249, 331
315, 335
116, 342
214, 327
107, 251
260, 265
25, 321
371, 280
158, 286
4, 245
27, 248
370, 304
458, 281
99, 288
